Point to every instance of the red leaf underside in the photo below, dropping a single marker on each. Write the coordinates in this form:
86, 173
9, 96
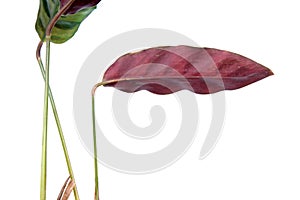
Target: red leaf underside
165, 70
78, 5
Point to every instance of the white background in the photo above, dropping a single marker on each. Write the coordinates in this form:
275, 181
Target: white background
258, 154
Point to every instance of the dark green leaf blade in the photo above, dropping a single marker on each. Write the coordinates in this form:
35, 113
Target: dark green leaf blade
47, 10
66, 26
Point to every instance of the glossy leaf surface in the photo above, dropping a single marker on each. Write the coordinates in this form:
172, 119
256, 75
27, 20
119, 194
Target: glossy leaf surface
68, 24
164, 70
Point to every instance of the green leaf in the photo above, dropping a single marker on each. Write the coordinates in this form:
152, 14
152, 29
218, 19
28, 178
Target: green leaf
65, 27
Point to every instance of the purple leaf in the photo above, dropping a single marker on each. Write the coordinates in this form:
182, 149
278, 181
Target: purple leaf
165, 70
78, 5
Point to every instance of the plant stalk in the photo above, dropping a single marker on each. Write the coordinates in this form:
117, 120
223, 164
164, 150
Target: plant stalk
45, 125
58, 124
95, 149
45, 121
46, 96
93, 92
